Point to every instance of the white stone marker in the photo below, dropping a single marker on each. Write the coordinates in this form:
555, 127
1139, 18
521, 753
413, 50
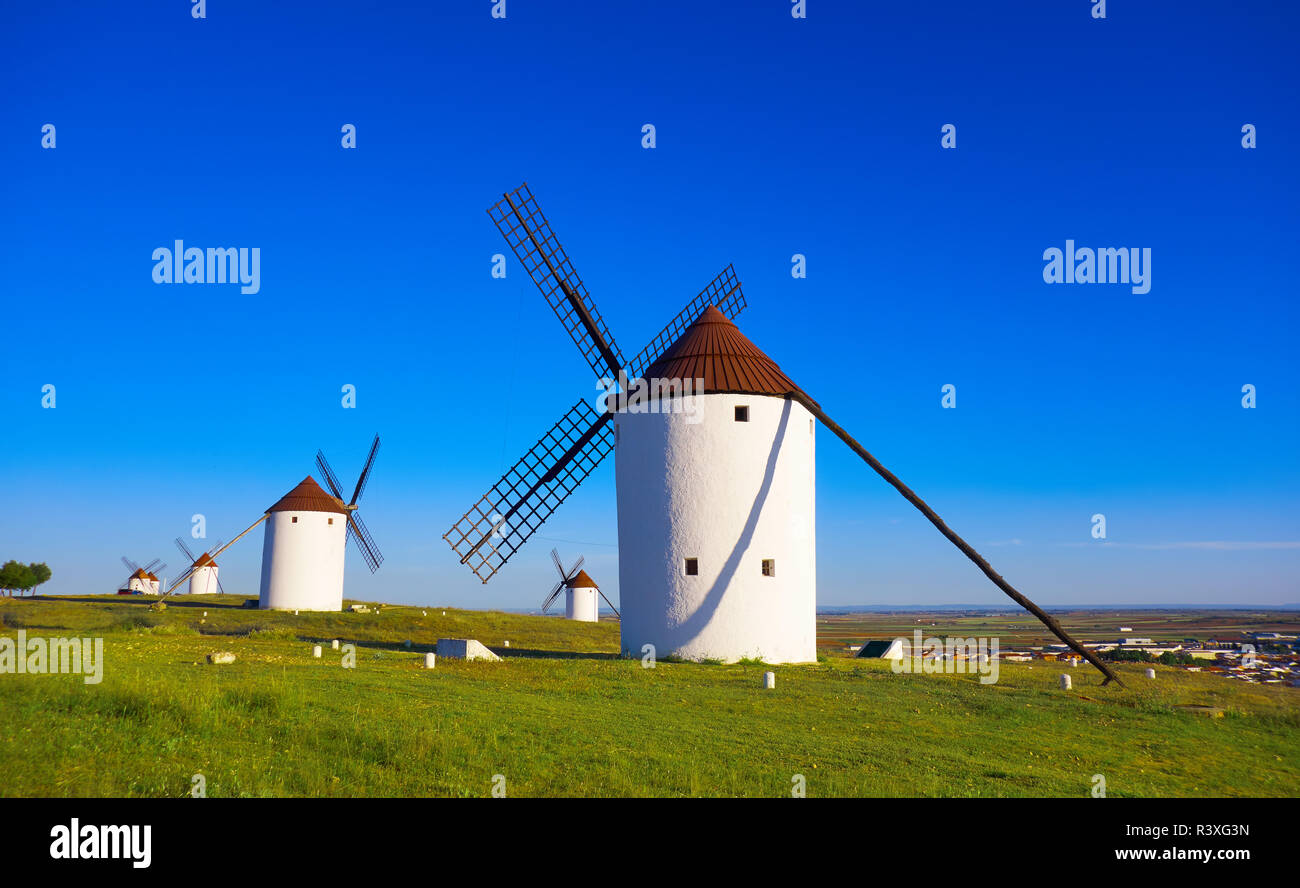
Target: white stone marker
315, 651
335, 644
1150, 673
464, 649
507, 643
769, 680
428, 661
1065, 681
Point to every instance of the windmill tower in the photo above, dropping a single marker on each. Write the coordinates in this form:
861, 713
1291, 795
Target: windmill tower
203, 571
306, 533
142, 580
716, 507
696, 585
580, 592
302, 550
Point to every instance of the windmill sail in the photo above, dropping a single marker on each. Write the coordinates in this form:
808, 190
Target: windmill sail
361, 536
505, 517
357, 531
521, 223
723, 293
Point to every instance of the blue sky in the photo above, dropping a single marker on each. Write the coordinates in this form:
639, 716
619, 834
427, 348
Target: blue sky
775, 136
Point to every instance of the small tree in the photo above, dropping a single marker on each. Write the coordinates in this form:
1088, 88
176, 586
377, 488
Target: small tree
18, 577
11, 577
40, 572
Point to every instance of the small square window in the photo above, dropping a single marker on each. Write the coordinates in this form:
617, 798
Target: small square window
692, 567
769, 567
810, 426
293, 520
331, 521
742, 413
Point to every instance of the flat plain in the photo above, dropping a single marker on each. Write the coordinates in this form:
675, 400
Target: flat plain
562, 715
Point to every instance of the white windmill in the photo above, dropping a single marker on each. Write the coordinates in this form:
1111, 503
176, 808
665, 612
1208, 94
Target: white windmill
203, 575
580, 592
715, 496
306, 534
142, 580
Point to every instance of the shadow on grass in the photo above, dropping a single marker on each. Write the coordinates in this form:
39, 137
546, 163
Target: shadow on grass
141, 601
532, 653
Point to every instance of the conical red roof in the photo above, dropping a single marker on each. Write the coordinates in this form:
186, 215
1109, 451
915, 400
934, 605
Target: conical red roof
582, 581
712, 348
308, 497
205, 560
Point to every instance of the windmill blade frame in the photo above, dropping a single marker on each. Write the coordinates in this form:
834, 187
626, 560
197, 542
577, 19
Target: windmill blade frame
365, 542
365, 473
507, 497
555, 593
330, 478
530, 236
512, 510
185, 550
724, 292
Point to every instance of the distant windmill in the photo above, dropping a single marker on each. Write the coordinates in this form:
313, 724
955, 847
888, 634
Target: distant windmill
202, 570
706, 515
579, 590
142, 580
302, 551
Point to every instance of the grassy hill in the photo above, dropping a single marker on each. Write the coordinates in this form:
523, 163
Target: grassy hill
562, 715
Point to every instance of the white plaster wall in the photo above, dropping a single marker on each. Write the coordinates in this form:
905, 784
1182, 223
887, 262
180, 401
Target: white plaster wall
729, 494
302, 564
204, 581
580, 604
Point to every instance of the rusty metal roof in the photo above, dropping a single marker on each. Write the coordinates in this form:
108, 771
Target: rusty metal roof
205, 560
308, 497
712, 348
582, 581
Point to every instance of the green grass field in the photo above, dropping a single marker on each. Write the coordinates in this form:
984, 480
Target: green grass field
562, 716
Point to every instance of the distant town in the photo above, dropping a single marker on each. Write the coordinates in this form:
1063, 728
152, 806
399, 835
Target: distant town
1232, 644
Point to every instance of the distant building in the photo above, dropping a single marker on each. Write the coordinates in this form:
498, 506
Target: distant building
882, 650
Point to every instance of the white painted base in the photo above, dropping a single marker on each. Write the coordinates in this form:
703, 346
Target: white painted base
302, 562
728, 494
581, 604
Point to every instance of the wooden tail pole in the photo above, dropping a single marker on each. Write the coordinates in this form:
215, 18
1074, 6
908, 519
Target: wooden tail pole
185, 576
1047, 619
